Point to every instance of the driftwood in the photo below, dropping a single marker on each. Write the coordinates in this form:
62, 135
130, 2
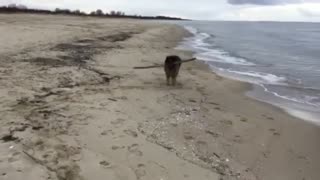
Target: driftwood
162, 65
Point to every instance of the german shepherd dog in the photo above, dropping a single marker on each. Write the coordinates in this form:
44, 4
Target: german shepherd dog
171, 67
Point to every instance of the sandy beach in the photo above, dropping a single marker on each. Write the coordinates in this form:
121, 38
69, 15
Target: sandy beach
73, 108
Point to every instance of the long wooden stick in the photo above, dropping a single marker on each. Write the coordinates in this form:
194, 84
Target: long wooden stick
148, 67
162, 65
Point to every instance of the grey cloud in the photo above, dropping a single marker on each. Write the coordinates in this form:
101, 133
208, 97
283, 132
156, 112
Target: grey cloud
269, 2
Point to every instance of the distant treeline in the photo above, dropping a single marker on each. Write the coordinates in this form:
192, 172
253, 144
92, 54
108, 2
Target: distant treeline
12, 8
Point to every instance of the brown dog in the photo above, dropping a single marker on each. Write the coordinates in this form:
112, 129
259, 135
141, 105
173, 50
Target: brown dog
171, 67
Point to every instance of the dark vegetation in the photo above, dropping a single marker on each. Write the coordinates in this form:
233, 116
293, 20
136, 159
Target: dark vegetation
13, 8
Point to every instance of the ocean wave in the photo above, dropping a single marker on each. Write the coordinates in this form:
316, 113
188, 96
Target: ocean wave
305, 100
204, 50
260, 77
216, 55
270, 82
191, 29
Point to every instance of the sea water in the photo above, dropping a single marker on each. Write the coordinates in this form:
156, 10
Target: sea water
281, 60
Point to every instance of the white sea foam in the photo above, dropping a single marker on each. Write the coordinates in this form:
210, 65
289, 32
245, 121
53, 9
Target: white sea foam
261, 78
216, 55
314, 118
204, 52
306, 100
191, 29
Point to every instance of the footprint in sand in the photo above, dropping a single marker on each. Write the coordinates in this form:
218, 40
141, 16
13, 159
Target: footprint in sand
107, 133
159, 170
243, 119
174, 124
226, 122
131, 133
147, 83
274, 131
134, 149
118, 122
268, 117
218, 108
140, 171
14, 157
237, 139
105, 164
188, 136
276, 134
202, 147
117, 147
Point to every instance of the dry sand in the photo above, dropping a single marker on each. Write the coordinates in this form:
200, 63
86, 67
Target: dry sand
73, 108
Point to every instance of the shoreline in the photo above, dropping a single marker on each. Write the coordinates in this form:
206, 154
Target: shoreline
290, 112
256, 91
88, 114
296, 122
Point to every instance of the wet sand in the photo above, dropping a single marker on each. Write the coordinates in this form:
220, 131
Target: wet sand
72, 107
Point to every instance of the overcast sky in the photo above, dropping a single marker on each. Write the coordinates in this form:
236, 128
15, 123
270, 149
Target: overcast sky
270, 10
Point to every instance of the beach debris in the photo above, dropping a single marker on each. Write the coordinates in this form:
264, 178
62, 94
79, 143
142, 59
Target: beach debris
212, 133
188, 113
23, 100
111, 99
213, 103
8, 138
46, 61
122, 36
216, 155
20, 128
36, 128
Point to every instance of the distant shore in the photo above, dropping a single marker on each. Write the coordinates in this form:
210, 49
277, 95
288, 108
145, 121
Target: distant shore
72, 107
98, 13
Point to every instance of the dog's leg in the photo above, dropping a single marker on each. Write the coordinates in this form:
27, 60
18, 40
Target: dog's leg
175, 75
168, 79
174, 80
